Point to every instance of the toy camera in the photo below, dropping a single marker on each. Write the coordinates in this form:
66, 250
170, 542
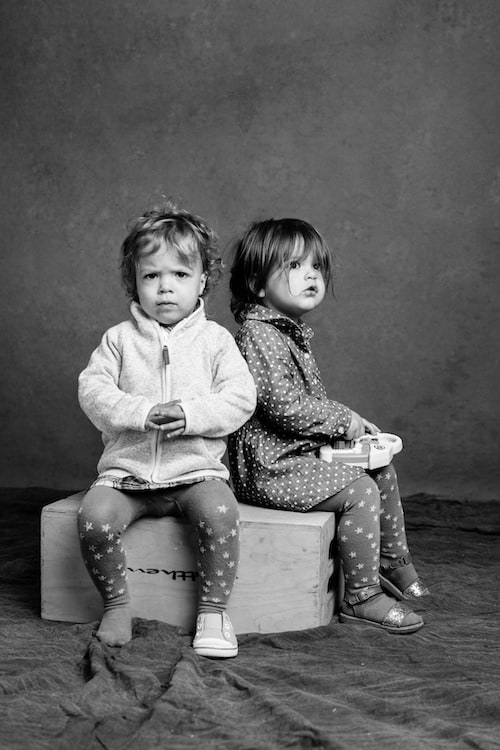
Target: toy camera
369, 451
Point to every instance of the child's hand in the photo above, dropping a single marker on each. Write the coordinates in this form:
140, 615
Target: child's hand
370, 428
360, 427
169, 418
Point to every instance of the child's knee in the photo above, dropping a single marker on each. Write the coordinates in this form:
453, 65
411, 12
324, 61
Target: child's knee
363, 492
386, 478
98, 512
223, 515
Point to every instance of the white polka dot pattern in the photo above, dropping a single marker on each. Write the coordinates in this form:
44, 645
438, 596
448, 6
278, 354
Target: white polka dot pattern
273, 456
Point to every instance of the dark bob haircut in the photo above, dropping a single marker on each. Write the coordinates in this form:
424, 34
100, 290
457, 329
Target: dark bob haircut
265, 246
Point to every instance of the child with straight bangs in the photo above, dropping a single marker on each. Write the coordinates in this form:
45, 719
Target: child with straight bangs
165, 388
280, 272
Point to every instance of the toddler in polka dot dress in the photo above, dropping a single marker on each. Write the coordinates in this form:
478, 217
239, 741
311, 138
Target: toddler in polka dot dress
280, 272
165, 388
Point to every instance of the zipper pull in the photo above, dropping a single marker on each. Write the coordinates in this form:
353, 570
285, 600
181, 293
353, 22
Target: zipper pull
166, 375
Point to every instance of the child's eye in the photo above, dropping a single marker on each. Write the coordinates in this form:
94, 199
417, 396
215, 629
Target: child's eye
150, 276
294, 264
181, 274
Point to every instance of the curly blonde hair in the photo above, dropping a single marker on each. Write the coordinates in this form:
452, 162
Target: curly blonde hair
167, 225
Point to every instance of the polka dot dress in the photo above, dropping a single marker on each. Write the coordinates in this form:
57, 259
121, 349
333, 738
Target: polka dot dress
273, 457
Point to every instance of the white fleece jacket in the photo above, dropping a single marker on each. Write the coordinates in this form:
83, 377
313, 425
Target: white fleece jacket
139, 364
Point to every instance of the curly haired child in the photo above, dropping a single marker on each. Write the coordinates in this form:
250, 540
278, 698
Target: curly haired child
165, 388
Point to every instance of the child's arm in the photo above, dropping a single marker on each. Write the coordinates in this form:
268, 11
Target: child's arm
281, 396
232, 400
108, 407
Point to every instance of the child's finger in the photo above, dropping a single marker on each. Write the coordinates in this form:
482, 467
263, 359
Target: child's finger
172, 426
165, 419
370, 427
172, 434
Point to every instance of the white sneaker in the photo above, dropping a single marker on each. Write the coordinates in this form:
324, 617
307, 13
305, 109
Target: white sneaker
215, 636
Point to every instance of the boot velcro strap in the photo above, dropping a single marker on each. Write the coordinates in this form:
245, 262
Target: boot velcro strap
400, 562
362, 595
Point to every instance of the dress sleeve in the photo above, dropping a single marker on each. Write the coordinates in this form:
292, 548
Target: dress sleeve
282, 400
108, 407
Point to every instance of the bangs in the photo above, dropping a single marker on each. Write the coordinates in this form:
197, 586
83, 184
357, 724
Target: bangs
292, 233
187, 250
269, 245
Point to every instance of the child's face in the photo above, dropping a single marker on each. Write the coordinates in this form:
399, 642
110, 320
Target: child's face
169, 284
297, 288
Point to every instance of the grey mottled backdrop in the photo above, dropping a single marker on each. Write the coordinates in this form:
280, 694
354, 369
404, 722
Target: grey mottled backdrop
377, 120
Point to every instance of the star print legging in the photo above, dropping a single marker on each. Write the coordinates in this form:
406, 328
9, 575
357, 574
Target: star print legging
371, 526
209, 506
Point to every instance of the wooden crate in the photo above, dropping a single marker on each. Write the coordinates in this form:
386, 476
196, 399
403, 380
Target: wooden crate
286, 578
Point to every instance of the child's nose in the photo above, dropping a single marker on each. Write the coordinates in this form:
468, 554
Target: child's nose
164, 284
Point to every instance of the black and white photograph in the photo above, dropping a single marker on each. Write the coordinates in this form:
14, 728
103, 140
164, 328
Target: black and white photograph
250, 464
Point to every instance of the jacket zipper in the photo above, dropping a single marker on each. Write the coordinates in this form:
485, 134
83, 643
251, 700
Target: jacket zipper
165, 396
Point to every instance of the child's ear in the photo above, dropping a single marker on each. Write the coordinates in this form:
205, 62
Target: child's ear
253, 287
203, 283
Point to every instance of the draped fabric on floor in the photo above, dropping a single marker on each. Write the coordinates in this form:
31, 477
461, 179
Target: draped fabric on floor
333, 687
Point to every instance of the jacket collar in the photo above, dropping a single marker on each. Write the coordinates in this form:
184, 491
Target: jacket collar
299, 331
150, 327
